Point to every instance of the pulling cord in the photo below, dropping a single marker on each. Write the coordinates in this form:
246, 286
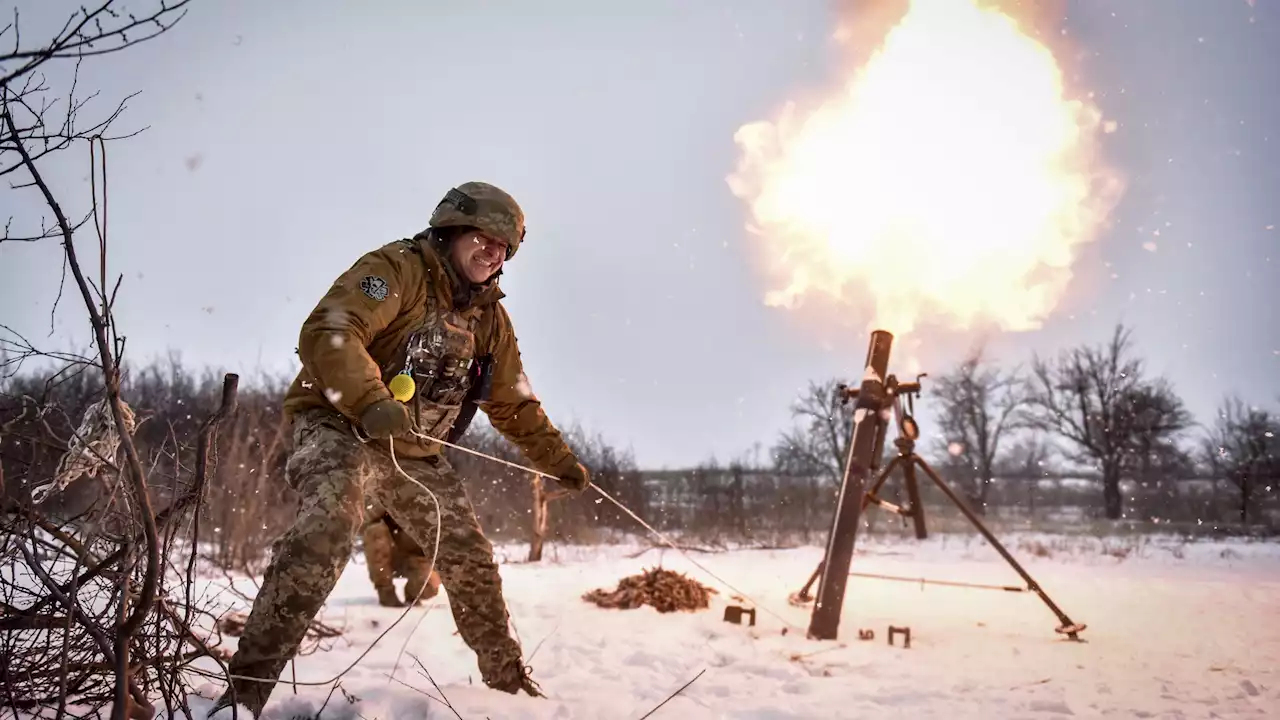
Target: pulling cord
435, 550
667, 541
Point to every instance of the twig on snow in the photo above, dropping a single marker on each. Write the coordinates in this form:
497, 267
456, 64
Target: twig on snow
674, 694
420, 691
444, 698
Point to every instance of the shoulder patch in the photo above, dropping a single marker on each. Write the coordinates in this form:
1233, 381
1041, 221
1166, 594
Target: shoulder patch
375, 287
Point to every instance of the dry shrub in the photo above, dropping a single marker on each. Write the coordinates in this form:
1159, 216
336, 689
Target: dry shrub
1119, 552
1034, 548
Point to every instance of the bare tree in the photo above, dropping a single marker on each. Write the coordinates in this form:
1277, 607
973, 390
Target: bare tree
35, 123
819, 445
1097, 399
1028, 460
980, 406
1153, 416
1244, 447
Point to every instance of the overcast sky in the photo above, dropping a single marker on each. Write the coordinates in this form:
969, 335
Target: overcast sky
286, 138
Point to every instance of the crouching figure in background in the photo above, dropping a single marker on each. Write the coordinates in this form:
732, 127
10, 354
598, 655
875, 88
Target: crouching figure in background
389, 553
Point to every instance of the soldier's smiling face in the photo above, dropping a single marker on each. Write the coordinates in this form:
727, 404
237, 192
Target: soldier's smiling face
477, 255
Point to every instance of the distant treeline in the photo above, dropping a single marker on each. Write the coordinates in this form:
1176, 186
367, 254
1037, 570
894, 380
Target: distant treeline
1078, 439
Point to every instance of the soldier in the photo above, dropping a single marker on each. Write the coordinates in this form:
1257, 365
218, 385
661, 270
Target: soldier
410, 561
390, 552
423, 316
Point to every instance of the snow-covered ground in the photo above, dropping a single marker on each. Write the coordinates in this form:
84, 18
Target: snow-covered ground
1175, 630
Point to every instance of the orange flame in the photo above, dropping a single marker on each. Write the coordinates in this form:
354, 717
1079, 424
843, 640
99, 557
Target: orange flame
951, 182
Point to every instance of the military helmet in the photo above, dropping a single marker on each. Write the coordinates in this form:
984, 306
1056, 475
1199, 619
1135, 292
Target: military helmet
481, 205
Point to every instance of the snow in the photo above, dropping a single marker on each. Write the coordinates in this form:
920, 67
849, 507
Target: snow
1176, 629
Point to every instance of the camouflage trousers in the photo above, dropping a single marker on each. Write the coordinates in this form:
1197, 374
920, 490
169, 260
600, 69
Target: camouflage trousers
333, 472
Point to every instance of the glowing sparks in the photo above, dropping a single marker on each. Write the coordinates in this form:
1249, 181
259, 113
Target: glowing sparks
952, 181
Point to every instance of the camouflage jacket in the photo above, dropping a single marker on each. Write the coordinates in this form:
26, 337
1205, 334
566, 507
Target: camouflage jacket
354, 341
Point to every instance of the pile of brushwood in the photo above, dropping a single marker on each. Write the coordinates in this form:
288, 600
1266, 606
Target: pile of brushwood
664, 590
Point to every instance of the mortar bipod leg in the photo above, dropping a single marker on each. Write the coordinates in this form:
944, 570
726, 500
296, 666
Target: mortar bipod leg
803, 596
1068, 627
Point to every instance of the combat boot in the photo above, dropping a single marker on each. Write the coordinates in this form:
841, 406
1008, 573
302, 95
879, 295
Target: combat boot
387, 596
514, 678
530, 687
419, 586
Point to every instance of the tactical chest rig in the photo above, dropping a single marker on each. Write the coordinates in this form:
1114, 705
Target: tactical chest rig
450, 379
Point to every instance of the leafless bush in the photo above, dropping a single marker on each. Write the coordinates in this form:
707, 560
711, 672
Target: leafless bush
249, 503
69, 587
1243, 447
88, 613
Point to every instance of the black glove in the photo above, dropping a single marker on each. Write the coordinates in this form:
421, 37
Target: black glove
385, 418
575, 478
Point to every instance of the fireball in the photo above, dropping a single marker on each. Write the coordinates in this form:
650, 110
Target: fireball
950, 182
